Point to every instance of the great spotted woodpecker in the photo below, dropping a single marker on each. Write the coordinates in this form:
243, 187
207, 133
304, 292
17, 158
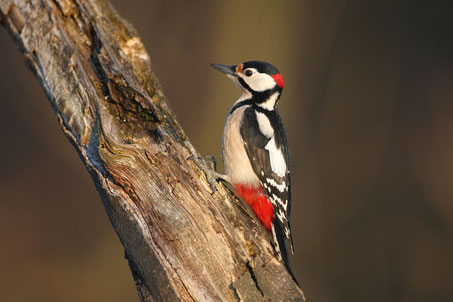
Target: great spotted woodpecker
255, 150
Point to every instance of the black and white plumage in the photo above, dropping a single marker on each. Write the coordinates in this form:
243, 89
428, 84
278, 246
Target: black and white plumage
255, 149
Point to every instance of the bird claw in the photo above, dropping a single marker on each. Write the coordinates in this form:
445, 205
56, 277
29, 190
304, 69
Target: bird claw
211, 159
207, 164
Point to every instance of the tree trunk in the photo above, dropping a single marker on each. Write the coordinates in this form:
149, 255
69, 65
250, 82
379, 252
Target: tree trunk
182, 243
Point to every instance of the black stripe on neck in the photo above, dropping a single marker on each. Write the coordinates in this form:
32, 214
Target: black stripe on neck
252, 103
240, 104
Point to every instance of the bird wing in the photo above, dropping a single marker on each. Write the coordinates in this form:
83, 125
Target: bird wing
264, 139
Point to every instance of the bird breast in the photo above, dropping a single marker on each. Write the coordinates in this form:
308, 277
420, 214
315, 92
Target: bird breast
235, 158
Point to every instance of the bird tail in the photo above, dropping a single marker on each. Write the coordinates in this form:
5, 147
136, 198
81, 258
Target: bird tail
278, 240
281, 250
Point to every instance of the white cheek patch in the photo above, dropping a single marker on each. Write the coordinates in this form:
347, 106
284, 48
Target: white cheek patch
264, 124
259, 81
278, 164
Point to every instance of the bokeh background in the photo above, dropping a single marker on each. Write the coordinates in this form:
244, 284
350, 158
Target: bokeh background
369, 115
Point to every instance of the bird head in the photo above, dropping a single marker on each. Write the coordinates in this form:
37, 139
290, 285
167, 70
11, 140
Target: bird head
259, 81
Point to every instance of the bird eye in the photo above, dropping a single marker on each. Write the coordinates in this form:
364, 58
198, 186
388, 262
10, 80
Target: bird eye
248, 72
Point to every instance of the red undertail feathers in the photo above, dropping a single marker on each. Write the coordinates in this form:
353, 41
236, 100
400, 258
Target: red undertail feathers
259, 203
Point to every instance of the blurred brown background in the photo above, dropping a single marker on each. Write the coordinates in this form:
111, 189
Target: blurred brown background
368, 110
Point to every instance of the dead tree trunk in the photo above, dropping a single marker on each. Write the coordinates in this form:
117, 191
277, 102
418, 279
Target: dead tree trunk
182, 244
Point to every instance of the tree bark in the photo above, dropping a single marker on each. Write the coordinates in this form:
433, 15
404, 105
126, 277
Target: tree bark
182, 243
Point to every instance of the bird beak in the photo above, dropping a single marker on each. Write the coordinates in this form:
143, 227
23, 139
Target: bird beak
229, 70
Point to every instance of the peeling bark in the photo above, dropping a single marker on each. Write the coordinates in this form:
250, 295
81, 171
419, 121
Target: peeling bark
182, 244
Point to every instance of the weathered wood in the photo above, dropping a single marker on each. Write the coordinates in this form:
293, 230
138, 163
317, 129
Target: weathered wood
182, 244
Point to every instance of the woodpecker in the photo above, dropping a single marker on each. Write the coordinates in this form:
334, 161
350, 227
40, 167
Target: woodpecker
255, 150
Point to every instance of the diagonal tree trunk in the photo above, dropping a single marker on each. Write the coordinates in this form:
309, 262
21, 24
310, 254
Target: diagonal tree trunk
182, 244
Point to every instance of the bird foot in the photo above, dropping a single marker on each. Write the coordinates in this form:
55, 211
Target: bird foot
208, 165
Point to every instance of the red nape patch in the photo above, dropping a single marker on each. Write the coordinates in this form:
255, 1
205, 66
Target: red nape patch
278, 79
259, 203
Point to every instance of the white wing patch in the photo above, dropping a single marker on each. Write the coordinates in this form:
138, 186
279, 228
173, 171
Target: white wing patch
264, 124
276, 157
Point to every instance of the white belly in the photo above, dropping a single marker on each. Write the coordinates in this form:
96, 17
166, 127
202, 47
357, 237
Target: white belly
235, 159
